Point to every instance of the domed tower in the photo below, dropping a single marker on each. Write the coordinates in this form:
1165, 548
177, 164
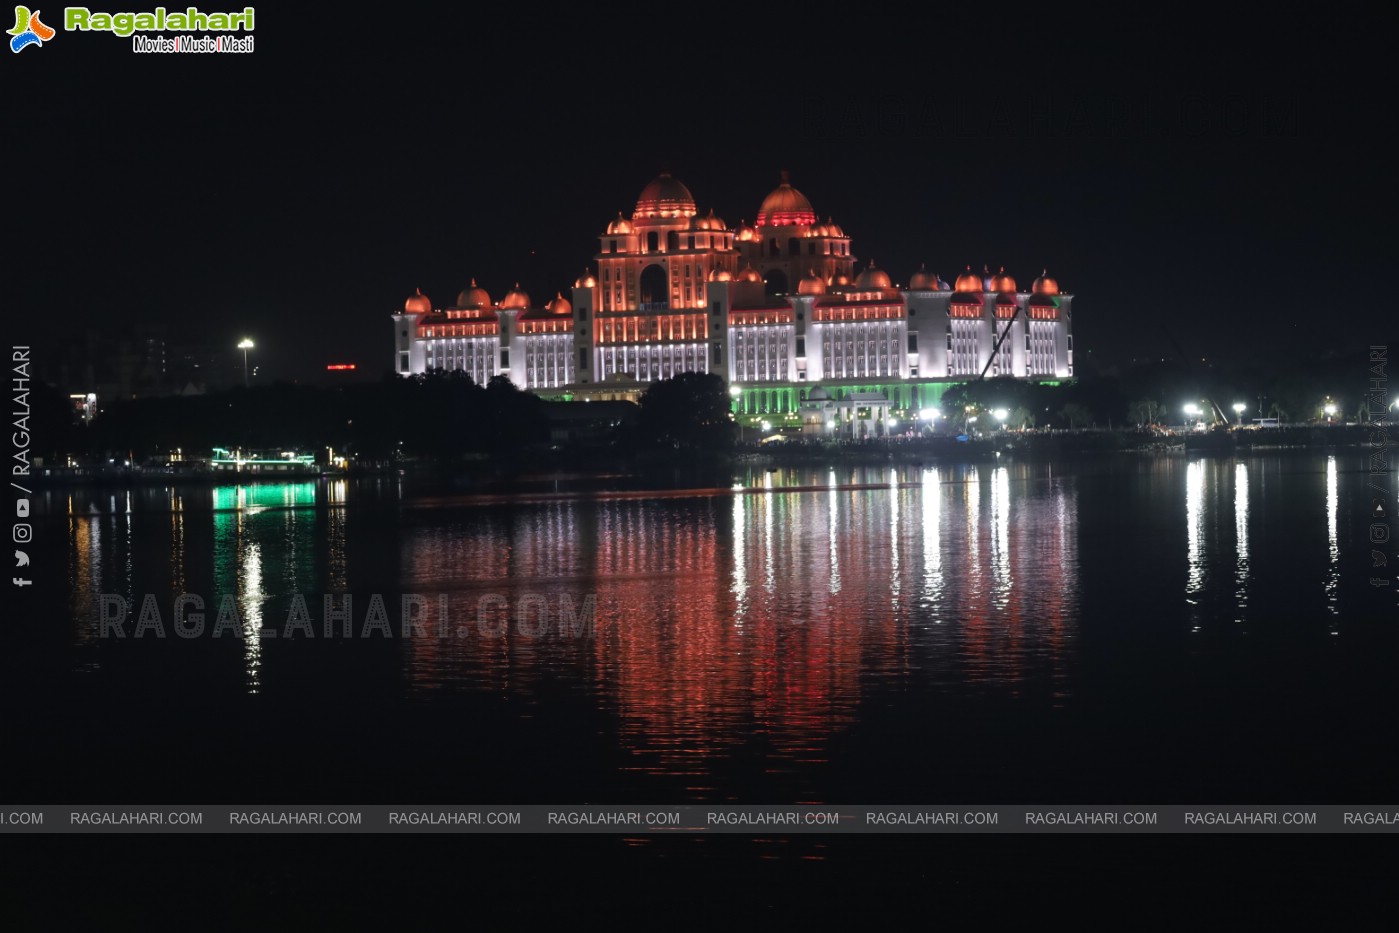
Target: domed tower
788, 242
660, 263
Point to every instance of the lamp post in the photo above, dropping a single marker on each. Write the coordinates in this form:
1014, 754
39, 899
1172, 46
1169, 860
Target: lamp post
1330, 409
1192, 411
1001, 416
1239, 410
245, 345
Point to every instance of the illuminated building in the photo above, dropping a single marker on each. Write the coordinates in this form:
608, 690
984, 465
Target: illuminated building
775, 308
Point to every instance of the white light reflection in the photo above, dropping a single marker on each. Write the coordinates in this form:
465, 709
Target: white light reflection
1194, 529
740, 572
832, 509
1241, 537
251, 596
1000, 537
1333, 537
932, 547
894, 536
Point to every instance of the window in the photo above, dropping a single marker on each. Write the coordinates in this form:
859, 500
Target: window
612, 246
811, 248
714, 306
691, 241
505, 358
794, 247
912, 343
718, 357
582, 357
801, 346
653, 241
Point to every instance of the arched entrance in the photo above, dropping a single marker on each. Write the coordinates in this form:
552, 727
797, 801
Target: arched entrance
776, 282
655, 288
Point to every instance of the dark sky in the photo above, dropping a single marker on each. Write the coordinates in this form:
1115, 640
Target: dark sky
1232, 173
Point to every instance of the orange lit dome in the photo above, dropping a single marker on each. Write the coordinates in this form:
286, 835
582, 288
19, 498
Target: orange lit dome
873, 278
560, 305
969, 281
812, 284
923, 280
417, 303
664, 197
620, 225
473, 297
1000, 282
785, 206
745, 233
749, 274
708, 222
585, 281
516, 298
839, 279
1044, 285
721, 275
833, 228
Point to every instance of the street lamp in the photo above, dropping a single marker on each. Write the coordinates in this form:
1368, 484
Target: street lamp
1239, 410
245, 345
1330, 409
1001, 416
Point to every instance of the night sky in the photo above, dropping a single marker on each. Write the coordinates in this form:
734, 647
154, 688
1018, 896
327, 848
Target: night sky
1231, 173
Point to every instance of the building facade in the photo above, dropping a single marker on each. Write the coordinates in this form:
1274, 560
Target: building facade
777, 309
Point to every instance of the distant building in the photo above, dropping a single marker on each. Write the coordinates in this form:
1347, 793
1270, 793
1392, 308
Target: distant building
775, 308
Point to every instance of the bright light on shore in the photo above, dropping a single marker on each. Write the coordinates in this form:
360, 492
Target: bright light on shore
930, 414
245, 344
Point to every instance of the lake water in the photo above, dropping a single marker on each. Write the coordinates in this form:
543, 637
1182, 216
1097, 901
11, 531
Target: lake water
1152, 629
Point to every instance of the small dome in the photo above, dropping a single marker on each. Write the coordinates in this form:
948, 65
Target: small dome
785, 206
745, 233
834, 228
473, 297
560, 305
818, 394
417, 303
721, 275
839, 279
923, 280
707, 222
749, 274
1000, 282
1044, 285
664, 197
969, 281
620, 225
812, 284
516, 298
586, 280
872, 278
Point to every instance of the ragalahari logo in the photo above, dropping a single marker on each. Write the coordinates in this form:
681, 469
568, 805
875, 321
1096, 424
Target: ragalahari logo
29, 30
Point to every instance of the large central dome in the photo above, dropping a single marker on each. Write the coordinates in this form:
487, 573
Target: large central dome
785, 206
664, 198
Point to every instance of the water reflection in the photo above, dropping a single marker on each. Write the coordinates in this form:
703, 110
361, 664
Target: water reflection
1333, 537
1194, 531
1241, 573
921, 579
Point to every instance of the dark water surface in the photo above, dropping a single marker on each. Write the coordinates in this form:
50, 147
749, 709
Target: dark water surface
1126, 629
